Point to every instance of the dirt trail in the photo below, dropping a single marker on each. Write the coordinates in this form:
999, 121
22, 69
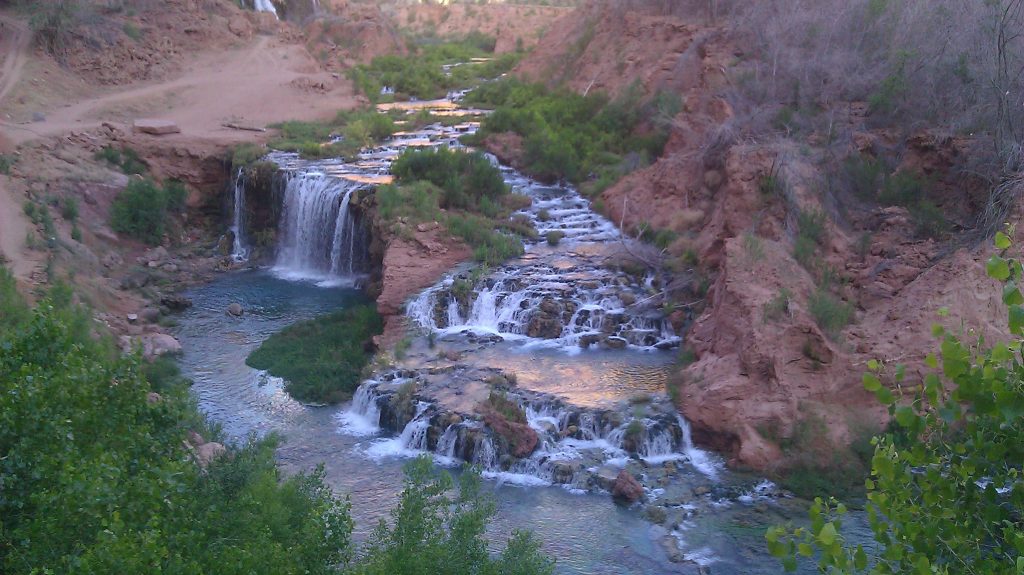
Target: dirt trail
265, 82
14, 41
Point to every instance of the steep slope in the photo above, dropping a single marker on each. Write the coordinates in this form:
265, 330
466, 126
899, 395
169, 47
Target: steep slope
736, 197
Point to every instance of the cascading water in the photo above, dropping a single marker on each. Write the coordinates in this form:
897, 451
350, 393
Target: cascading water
574, 443
239, 249
318, 234
264, 6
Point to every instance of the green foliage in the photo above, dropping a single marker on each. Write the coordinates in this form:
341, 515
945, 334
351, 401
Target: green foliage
245, 155
829, 312
6, 163
489, 245
142, 209
359, 128
420, 74
466, 179
126, 159
554, 237
508, 409
69, 209
76, 234
416, 201
870, 181
945, 489
436, 531
96, 479
574, 137
321, 359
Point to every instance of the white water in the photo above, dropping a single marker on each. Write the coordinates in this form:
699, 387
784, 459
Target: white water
317, 234
593, 444
239, 249
265, 6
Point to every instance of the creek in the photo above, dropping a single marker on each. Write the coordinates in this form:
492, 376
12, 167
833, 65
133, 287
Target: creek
588, 366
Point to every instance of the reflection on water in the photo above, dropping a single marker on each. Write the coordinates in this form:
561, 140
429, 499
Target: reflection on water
587, 534
595, 378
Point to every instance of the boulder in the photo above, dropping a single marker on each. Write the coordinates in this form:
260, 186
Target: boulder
207, 452
159, 344
615, 342
176, 302
155, 127
563, 471
135, 280
626, 488
235, 309
153, 398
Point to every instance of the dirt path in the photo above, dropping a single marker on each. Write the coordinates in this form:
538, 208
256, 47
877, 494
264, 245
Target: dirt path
14, 42
265, 82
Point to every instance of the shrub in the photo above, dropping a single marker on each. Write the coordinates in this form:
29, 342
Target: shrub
320, 359
489, 246
245, 155
69, 209
141, 209
829, 312
465, 178
76, 234
811, 225
778, 306
554, 237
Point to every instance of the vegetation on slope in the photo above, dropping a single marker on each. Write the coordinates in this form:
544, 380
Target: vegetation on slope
143, 209
945, 492
464, 192
322, 359
95, 477
421, 75
567, 136
312, 140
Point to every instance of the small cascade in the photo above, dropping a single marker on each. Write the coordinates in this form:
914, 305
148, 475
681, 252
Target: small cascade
319, 237
239, 249
575, 446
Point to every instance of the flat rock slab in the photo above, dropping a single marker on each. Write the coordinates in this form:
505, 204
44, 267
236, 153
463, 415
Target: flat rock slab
155, 127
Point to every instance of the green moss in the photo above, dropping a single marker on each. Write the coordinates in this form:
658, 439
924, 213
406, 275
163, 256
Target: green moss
321, 359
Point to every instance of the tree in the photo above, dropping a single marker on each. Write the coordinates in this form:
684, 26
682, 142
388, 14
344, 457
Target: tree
945, 493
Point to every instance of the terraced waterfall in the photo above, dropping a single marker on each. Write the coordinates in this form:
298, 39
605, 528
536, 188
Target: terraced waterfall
559, 333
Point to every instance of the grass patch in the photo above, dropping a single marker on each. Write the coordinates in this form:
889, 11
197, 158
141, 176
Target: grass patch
508, 409
320, 359
554, 237
420, 74
125, 159
358, 129
829, 312
777, 307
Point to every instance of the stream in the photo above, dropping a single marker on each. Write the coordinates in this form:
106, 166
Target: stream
589, 365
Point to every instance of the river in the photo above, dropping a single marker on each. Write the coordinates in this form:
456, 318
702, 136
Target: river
716, 519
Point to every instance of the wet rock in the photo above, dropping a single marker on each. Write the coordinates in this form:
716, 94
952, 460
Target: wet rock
671, 547
606, 476
615, 342
589, 340
235, 309
701, 490
563, 471
176, 302
656, 514
521, 439
626, 488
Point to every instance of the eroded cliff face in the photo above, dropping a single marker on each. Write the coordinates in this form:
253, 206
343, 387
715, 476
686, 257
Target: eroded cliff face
762, 366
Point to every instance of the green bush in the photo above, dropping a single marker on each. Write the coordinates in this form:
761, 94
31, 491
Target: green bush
489, 246
573, 137
69, 209
829, 312
125, 159
554, 237
141, 209
321, 359
467, 179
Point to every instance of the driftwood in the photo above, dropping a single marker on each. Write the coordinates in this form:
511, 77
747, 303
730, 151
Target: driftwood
235, 126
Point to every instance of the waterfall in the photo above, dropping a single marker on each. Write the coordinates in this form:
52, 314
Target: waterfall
318, 235
264, 6
239, 250
699, 458
363, 417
